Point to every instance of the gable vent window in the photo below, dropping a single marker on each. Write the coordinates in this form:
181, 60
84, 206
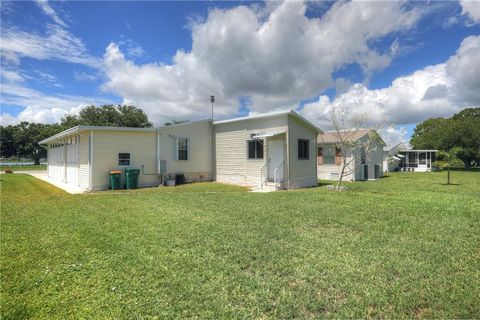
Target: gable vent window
124, 159
303, 149
255, 149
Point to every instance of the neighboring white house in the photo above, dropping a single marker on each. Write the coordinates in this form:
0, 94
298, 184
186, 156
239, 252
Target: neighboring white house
403, 157
365, 159
275, 149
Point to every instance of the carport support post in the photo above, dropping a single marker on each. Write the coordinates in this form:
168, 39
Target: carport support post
65, 161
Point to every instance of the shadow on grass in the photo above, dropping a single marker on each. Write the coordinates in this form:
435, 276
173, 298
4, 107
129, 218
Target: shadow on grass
450, 184
325, 183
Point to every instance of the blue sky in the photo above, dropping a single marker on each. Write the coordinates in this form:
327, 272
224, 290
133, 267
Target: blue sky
381, 59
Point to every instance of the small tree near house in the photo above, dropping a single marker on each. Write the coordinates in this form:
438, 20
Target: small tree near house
353, 144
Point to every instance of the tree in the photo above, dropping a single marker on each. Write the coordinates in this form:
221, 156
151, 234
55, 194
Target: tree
8, 147
347, 141
461, 131
25, 137
449, 159
430, 134
108, 115
464, 134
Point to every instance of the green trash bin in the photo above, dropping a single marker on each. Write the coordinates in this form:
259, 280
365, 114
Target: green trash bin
131, 178
115, 177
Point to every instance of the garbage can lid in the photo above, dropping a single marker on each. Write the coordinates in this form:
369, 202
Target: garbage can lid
115, 172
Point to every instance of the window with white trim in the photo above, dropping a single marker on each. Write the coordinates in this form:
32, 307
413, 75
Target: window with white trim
255, 149
182, 149
124, 159
303, 149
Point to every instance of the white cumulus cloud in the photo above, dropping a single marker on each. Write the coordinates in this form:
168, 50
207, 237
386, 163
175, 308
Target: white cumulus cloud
434, 91
41, 107
471, 8
275, 55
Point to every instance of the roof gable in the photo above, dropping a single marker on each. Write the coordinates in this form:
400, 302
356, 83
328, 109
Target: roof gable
350, 136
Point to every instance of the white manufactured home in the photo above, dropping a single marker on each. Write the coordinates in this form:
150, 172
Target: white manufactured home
364, 157
274, 150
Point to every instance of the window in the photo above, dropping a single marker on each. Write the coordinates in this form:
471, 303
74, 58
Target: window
363, 156
338, 156
303, 149
329, 155
255, 149
182, 149
124, 159
319, 156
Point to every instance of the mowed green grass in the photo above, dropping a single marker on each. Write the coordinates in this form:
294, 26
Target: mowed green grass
407, 246
25, 168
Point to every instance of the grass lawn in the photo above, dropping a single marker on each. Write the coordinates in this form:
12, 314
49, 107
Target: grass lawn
406, 246
24, 168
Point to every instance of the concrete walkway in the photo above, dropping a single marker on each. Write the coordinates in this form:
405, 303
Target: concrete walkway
42, 175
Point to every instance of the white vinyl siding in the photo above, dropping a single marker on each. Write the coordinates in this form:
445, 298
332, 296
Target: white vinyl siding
198, 167
302, 173
108, 144
232, 163
83, 158
374, 156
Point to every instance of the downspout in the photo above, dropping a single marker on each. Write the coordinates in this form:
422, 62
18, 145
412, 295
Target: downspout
157, 142
288, 152
213, 154
315, 155
90, 162
48, 159
65, 160
78, 157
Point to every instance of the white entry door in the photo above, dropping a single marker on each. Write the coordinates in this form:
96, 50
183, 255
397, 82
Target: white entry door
422, 161
276, 159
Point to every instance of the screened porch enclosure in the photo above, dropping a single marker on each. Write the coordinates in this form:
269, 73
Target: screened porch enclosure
417, 160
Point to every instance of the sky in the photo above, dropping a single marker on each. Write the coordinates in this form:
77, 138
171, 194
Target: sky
393, 64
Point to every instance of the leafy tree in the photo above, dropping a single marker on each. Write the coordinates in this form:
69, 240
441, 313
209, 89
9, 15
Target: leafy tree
461, 131
22, 140
7, 143
465, 133
69, 121
108, 115
430, 134
449, 159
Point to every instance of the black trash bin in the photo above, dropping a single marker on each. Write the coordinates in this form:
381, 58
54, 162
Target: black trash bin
179, 179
